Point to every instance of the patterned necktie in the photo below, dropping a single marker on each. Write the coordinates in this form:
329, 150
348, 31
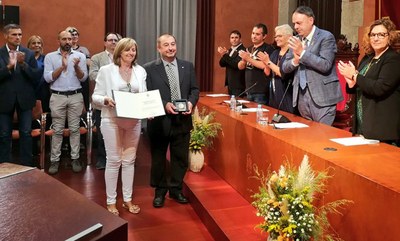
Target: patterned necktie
173, 83
302, 70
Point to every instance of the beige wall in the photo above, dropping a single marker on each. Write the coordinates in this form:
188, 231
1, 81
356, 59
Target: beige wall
47, 17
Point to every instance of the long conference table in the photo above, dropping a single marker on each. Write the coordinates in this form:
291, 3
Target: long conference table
369, 175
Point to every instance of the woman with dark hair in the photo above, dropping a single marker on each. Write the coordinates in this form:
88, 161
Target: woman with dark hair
376, 83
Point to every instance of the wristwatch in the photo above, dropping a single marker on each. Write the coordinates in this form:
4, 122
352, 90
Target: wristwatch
354, 75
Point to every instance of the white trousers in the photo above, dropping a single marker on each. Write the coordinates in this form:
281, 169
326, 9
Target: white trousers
121, 139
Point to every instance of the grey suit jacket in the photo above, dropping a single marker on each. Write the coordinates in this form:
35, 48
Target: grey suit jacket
98, 60
319, 61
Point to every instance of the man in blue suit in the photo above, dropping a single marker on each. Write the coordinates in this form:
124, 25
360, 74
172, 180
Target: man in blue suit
18, 76
316, 88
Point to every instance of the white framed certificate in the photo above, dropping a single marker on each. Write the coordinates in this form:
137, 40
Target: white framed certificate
138, 105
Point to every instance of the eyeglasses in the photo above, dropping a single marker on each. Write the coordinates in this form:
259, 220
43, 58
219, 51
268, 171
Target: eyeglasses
112, 40
379, 35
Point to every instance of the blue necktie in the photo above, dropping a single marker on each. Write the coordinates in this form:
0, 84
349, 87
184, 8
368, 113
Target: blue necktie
302, 71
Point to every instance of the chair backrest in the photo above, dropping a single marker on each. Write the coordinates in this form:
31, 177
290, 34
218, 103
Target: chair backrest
36, 112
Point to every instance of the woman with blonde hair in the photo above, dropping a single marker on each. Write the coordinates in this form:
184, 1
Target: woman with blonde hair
121, 135
376, 83
42, 91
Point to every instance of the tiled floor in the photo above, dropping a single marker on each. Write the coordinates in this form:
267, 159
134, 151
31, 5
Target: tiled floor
174, 222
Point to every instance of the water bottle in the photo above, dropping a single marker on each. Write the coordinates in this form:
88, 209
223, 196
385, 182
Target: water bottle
233, 103
259, 114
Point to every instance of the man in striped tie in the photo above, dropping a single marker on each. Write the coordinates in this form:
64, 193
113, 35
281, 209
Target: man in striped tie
175, 79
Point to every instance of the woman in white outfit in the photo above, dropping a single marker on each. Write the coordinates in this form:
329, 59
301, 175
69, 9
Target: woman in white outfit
121, 135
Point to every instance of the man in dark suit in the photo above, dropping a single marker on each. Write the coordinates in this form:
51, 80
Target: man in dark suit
234, 77
316, 87
18, 77
175, 79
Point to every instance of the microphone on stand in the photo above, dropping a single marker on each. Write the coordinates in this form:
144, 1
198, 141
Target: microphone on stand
251, 87
278, 118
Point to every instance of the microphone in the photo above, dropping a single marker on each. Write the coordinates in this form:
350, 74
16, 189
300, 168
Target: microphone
251, 87
278, 118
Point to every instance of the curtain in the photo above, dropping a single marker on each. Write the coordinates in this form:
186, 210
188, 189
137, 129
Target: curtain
390, 8
116, 16
205, 44
148, 19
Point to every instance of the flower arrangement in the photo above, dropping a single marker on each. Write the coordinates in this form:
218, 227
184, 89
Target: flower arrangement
205, 129
285, 200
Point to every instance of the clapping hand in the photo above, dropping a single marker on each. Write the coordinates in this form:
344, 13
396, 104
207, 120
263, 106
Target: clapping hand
20, 57
245, 55
76, 61
222, 50
264, 57
348, 70
295, 45
64, 61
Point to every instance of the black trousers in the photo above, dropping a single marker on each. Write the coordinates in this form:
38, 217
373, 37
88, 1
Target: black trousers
168, 176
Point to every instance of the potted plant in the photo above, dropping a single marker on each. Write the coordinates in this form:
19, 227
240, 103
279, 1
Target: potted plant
286, 202
205, 129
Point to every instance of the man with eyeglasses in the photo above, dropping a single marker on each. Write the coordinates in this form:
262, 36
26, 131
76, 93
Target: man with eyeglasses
18, 78
256, 81
316, 87
99, 60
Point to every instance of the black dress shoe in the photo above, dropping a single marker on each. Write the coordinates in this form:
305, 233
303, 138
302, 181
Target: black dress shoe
158, 201
101, 165
179, 197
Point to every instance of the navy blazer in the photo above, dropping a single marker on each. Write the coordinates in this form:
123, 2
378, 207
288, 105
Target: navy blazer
18, 86
234, 77
157, 79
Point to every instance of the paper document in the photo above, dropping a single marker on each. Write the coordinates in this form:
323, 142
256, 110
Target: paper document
216, 95
248, 110
289, 125
240, 101
138, 105
354, 141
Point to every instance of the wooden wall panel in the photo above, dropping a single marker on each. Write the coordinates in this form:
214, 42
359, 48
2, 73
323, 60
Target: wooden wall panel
46, 18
